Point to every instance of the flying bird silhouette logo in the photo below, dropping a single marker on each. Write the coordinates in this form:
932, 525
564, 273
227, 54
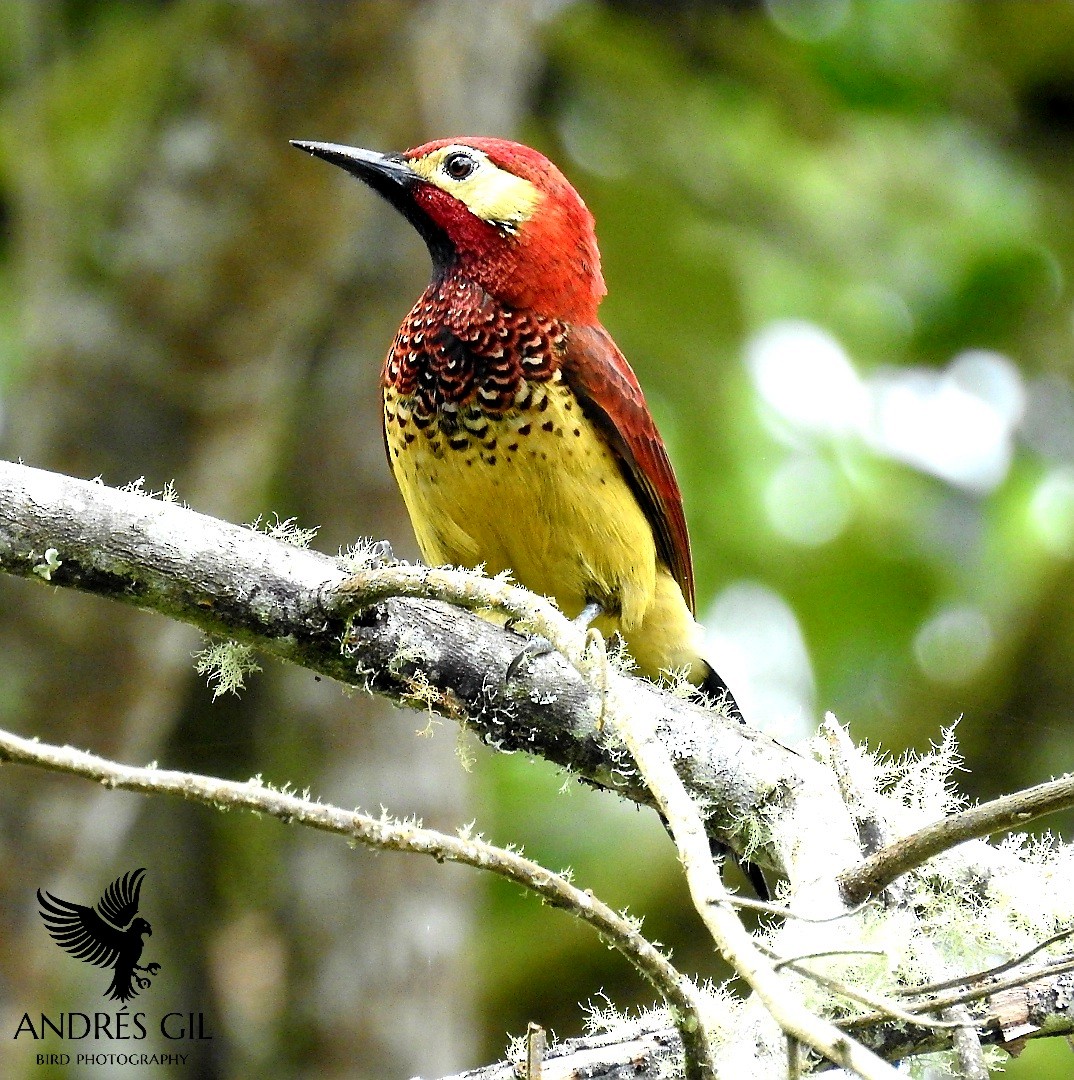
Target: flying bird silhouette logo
108, 935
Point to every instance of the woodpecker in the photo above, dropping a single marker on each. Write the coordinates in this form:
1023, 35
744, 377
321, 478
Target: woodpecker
515, 428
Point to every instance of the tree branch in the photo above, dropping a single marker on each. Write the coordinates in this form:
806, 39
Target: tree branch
1011, 1014
239, 583
873, 831
639, 732
678, 991
877, 872
1008, 1018
375, 626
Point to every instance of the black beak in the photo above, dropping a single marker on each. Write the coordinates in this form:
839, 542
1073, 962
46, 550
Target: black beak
386, 174
391, 177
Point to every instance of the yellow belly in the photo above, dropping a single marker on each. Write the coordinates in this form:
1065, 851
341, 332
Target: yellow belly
539, 493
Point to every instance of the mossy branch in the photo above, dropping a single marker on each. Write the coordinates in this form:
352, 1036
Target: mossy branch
891, 862
680, 994
240, 583
399, 630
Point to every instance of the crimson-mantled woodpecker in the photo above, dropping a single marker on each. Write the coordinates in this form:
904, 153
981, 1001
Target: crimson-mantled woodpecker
516, 430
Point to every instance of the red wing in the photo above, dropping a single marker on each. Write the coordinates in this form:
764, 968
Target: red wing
608, 390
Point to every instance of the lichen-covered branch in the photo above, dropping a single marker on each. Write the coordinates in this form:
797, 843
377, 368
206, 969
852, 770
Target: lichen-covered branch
239, 583
679, 992
1015, 811
639, 732
1006, 1014
808, 812
1007, 1018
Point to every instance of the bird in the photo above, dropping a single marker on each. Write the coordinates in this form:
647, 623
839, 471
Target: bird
108, 935
515, 428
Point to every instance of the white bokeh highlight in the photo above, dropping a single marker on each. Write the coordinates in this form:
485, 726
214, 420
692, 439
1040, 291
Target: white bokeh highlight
806, 500
1051, 512
954, 644
804, 375
957, 423
753, 639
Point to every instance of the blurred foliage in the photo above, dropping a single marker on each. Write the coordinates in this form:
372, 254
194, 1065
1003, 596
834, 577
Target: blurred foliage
822, 224
900, 181
898, 184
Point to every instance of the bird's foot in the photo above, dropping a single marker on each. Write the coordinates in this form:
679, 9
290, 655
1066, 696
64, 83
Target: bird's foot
142, 984
541, 646
534, 648
584, 619
151, 968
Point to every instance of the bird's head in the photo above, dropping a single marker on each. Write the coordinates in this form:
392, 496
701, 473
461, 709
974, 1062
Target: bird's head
495, 212
141, 926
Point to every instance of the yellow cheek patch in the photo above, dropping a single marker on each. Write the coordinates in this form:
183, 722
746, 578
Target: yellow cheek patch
489, 192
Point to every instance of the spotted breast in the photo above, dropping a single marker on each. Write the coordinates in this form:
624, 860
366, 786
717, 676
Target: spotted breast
497, 460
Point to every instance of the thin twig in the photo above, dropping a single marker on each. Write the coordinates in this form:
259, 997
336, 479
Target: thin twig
535, 1050
964, 1040
837, 986
766, 907
794, 1058
678, 991
987, 973
967, 1044
824, 954
713, 902
878, 871
937, 1004
885, 1006
987, 991
368, 585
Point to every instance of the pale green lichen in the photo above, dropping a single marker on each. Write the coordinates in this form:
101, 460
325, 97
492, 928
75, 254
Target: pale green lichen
226, 664
966, 910
945, 1065
166, 494
407, 653
754, 832
50, 562
363, 554
284, 529
464, 750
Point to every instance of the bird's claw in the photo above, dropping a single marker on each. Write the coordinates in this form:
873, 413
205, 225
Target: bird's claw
541, 646
533, 649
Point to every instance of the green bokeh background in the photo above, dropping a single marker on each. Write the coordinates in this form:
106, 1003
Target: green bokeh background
890, 178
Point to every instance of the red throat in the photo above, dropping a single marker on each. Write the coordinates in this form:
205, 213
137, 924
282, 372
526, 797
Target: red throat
551, 265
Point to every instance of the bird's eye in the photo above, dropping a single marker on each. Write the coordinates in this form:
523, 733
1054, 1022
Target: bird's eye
459, 165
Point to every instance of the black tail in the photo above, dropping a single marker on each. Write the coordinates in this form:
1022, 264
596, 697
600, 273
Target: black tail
754, 874
720, 692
